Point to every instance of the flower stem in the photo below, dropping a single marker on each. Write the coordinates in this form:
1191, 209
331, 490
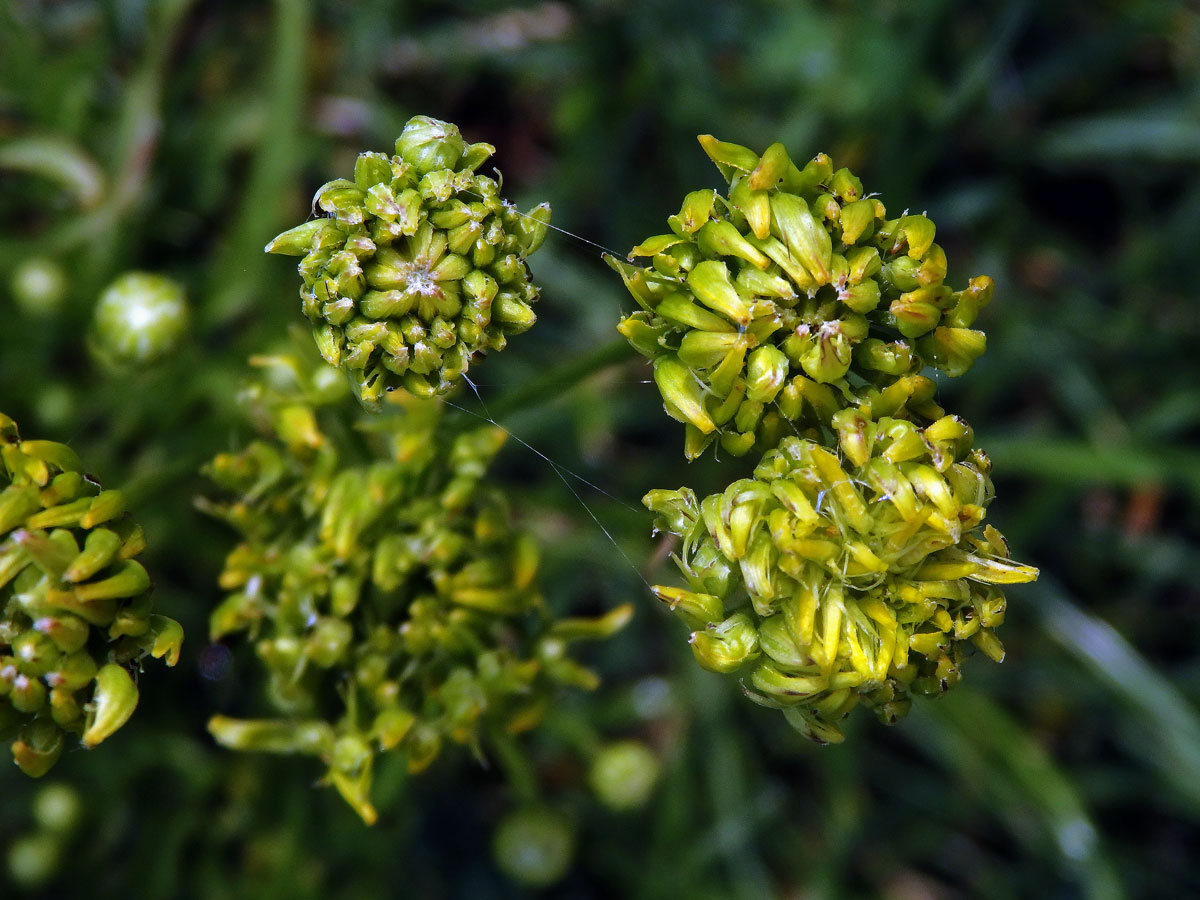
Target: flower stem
560, 379
515, 765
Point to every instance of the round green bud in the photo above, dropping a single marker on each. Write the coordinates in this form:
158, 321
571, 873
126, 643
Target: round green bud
33, 859
139, 319
417, 266
39, 286
55, 404
623, 775
427, 144
57, 807
534, 846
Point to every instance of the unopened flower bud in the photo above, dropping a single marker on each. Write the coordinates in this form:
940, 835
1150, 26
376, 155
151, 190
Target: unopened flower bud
624, 774
805, 237
38, 747
139, 319
39, 286
429, 144
417, 242
534, 846
953, 350
726, 646
766, 371
112, 704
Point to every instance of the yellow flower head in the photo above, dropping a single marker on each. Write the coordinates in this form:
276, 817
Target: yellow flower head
795, 281
838, 577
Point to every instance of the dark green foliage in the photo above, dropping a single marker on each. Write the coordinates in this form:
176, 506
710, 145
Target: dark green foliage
1054, 144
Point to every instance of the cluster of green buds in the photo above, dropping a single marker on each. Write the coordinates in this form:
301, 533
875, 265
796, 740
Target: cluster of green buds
415, 265
389, 597
75, 607
844, 576
762, 303
793, 317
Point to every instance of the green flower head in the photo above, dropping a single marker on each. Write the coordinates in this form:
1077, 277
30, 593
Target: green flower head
75, 609
792, 283
838, 577
415, 265
390, 599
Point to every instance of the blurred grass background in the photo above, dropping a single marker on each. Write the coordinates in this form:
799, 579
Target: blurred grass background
1056, 144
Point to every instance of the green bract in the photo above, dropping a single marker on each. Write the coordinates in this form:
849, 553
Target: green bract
75, 609
839, 577
389, 597
416, 264
763, 302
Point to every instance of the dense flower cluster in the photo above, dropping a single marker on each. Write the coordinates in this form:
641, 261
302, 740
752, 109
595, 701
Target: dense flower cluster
793, 317
845, 578
415, 265
390, 599
75, 608
764, 304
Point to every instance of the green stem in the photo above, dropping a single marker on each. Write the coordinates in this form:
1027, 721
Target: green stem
560, 379
137, 129
241, 262
724, 774
1069, 461
575, 731
1015, 774
516, 766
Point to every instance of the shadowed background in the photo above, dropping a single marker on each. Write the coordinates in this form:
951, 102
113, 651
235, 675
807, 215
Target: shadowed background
1056, 146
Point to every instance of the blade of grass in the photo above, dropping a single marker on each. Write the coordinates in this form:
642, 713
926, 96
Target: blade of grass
729, 795
56, 159
561, 378
844, 803
1069, 461
985, 67
994, 754
1170, 723
1166, 135
137, 131
237, 270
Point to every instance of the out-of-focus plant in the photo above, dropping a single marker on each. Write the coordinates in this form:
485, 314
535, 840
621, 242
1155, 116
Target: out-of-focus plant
75, 607
390, 600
